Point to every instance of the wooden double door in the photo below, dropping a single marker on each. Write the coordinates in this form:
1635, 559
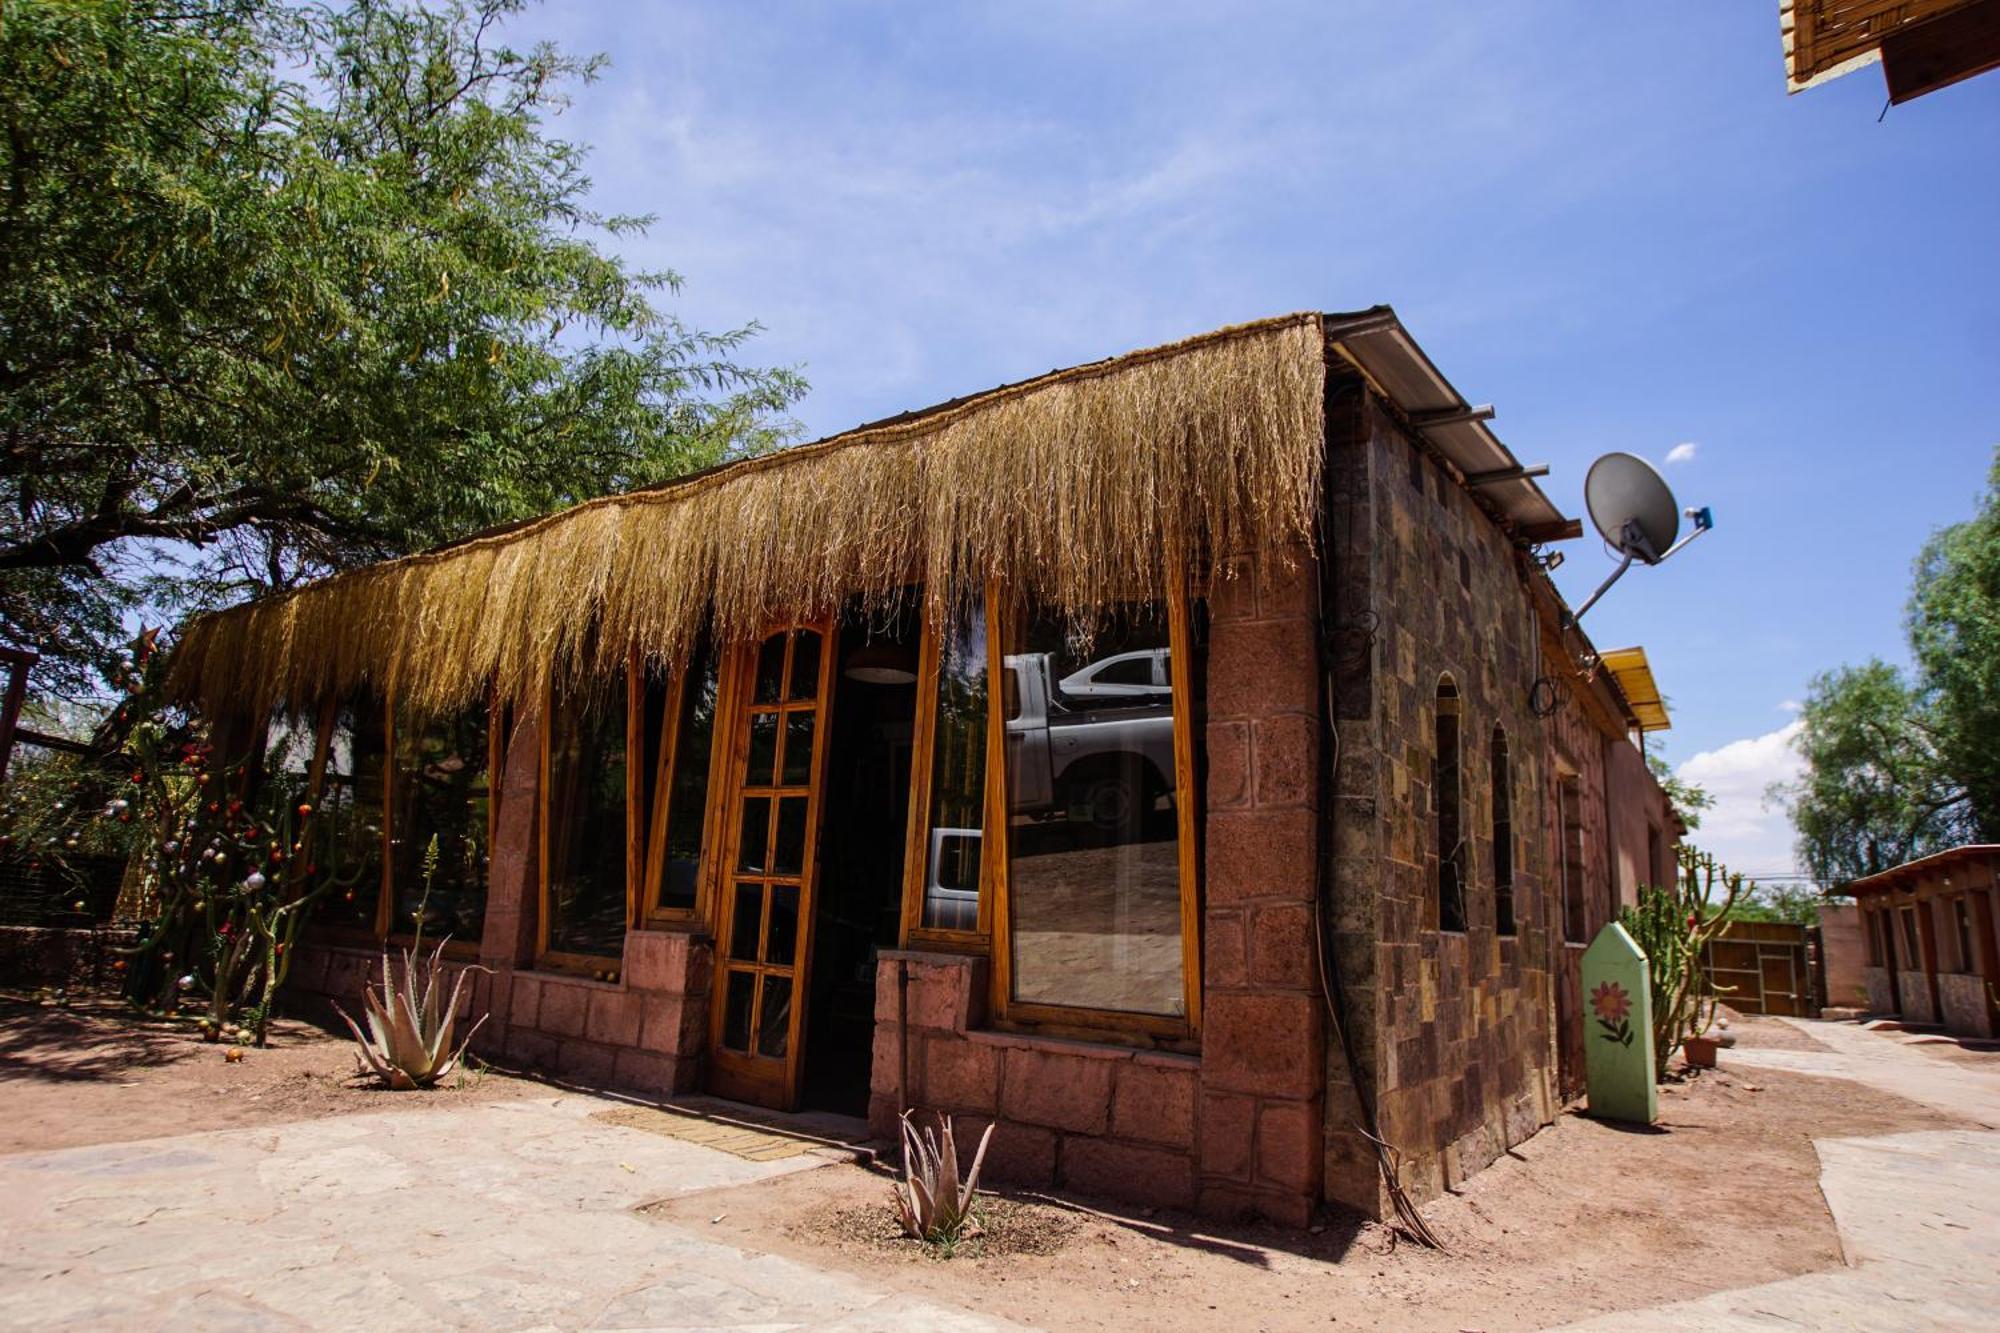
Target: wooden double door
778, 736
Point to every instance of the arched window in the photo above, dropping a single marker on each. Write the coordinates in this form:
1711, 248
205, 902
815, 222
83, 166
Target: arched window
1503, 835
1445, 800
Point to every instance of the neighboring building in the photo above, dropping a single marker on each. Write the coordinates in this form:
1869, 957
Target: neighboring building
1036, 758
1923, 45
1843, 958
1933, 954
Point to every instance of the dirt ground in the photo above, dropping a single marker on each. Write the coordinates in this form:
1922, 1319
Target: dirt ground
1582, 1219
1770, 1033
97, 1073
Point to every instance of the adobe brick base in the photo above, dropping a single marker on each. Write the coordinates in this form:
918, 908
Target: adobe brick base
646, 1033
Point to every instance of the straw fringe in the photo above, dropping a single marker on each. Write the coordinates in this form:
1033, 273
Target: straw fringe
1082, 487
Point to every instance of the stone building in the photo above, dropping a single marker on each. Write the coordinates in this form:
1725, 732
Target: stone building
1183, 761
1931, 930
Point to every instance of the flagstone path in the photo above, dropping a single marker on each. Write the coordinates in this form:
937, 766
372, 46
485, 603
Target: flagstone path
507, 1215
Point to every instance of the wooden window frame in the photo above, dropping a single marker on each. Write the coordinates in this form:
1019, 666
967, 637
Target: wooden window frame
329, 722
592, 966
496, 758
1096, 1025
651, 914
923, 747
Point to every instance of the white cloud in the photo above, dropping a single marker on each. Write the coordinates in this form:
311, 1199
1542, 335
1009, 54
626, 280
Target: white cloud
1683, 452
1745, 830
1792, 706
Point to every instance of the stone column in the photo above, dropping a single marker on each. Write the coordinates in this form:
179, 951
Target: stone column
1263, 1045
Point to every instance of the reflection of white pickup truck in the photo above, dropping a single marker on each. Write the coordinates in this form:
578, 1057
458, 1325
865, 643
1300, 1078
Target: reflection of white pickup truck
1096, 748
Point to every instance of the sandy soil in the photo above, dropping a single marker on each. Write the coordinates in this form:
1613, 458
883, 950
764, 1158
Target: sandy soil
1775, 1034
97, 1073
1582, 1219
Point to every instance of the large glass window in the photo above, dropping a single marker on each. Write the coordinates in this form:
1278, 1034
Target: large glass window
1094, 884
347, 827
957, 776
690, 748
441, 789
583, 894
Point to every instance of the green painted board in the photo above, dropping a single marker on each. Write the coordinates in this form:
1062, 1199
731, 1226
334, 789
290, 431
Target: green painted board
1618, 1029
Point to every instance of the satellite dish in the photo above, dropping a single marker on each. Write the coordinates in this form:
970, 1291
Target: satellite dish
1632, 506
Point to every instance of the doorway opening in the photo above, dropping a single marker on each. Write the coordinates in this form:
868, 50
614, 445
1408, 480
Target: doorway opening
863, 835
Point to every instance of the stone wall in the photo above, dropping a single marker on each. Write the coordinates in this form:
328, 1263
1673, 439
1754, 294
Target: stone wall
1915, 990
1105, 1120
1962, 997
73, 958
1881, 999
1461, 1051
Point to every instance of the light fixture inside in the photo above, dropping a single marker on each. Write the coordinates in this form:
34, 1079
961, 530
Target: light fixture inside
882, 663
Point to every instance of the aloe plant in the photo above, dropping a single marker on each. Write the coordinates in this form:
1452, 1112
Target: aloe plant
931, 1202
410, 1024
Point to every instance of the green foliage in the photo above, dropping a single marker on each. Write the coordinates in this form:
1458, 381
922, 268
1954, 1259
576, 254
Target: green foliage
1954, 627
1875, 791
291, 287
1672, 924
227, 858
1688, 799
1901, 767
1798, 904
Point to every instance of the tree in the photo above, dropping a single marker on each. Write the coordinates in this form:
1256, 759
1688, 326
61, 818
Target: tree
1954, 628
1688, 799
287, 288
1875, 791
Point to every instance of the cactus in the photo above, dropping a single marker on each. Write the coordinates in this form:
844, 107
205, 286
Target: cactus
1674, 924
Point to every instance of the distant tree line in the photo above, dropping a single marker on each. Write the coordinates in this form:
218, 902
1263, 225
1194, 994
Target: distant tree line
1901, 764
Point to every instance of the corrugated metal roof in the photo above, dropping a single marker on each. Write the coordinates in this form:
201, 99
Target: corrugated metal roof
1634, 674
1923, 866
1376, 341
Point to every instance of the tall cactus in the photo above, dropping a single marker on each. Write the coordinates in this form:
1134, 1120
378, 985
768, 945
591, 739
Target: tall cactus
1674, 924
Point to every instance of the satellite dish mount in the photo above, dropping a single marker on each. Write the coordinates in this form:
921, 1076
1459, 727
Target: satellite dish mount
1633, 509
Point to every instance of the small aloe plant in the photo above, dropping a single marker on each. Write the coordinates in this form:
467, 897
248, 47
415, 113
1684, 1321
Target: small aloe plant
410, 1023
931, 1203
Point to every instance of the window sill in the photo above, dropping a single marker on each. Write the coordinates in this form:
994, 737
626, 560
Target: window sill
1094, 1046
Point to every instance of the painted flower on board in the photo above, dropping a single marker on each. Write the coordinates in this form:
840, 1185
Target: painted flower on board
1610, 1002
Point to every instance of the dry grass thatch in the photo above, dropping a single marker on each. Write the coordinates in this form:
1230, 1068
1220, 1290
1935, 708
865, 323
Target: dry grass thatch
1081, 487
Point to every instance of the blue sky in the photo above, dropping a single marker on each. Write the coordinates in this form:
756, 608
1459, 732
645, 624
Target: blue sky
1609, 221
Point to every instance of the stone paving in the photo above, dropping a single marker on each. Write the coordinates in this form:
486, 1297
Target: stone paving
1918, 1214
508, 1215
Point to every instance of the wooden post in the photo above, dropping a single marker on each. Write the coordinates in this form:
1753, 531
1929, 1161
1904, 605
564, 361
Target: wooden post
1618, 1027
18, 661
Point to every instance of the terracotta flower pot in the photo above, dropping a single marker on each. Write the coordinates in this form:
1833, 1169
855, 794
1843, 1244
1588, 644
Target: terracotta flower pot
1699, 1052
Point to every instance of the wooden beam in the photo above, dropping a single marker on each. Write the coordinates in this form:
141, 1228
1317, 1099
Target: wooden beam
1564, 530
1451, 416
1520, 472
1924, 57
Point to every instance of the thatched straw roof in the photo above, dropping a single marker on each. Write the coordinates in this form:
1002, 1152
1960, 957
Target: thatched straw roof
1083, 486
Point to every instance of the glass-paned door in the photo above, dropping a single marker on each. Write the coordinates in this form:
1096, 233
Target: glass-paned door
764, 928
